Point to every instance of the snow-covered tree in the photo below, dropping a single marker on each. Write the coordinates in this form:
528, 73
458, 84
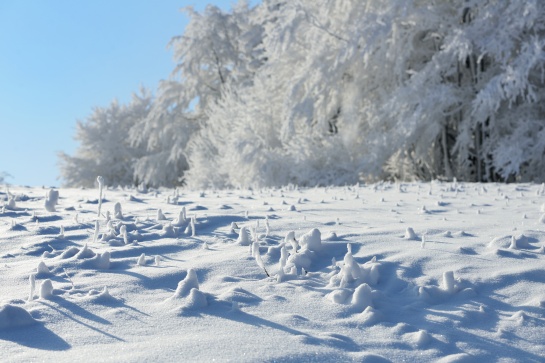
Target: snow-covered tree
263, 132
507, 63
324, 92
105, 148
210, 55
476, 92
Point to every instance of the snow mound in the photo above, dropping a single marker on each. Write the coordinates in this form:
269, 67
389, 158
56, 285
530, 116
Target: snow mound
512, 242
458, 358
187, 284
420, 338
410, 235
196, 299
311, 240
373, 358
12, 316
101, 297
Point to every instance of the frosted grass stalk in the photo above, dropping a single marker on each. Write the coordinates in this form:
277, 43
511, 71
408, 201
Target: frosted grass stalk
100, 181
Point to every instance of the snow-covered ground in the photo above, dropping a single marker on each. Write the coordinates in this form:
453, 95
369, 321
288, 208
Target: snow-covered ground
447, 272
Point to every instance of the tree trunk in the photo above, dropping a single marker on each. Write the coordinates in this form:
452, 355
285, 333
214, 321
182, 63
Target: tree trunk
446, 155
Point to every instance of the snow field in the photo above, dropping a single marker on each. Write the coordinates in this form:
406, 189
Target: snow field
446, 272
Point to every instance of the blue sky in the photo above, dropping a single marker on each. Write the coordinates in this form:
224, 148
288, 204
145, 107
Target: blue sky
60, 58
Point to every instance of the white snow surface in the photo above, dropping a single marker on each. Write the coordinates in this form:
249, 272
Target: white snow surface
474, 291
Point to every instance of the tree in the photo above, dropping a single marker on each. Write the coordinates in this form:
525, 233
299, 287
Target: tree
105, 148
332, 92
210, 55
264, 132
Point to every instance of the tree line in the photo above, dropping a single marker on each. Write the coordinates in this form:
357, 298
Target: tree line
322, 92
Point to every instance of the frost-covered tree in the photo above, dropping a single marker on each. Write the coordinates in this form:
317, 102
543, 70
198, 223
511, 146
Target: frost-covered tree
460, 109
375, 89
210, 55
237, 150
415, 89
506, 59
105, 148
265, 132
317, 92
238, 143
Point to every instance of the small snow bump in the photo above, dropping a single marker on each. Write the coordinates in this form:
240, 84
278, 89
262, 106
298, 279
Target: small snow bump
409, 234
12, 316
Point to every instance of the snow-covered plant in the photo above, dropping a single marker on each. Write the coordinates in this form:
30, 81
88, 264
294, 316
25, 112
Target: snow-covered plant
141, 260
290, 238
51, 200
283, 256
449, 283
243, 236
102, 260
61, 233
192, 224
95, 234
42, 269
118, 212
254, 251
182, 220
100, 181
409, 234
123, 233
85, 252
267, 226
160, 216
11, 204
513, 245
46, 289
362, 297
32, 282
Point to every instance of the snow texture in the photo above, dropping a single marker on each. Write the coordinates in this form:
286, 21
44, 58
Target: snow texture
340, 279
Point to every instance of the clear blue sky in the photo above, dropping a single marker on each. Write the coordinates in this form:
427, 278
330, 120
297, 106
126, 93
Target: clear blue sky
59, 58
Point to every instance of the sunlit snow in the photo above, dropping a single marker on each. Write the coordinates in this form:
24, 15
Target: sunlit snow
354, 273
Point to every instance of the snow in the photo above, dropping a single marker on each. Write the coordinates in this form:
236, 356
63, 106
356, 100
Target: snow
12, 316
344, 277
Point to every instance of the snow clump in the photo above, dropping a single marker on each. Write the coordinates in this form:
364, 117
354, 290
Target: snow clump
409, 234
311, 240
118, 212
243, 237
46, 289
187, 284
51, 200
